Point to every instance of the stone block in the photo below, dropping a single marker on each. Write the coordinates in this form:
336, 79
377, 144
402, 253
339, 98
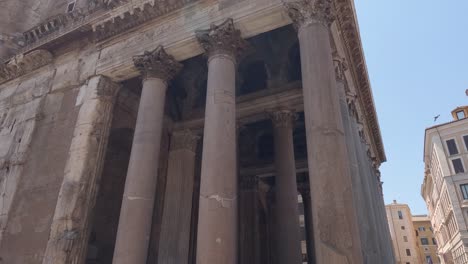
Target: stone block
67, 72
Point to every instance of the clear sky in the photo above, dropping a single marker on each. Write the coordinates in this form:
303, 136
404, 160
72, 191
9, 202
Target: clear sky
417, 58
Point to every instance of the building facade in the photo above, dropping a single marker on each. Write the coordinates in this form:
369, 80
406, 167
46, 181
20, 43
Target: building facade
403, 235
425, 239
183, 131
445, 186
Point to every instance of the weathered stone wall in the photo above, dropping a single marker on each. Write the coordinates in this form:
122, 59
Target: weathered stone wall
38, 112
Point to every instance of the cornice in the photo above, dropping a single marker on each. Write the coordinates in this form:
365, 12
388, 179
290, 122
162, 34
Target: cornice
347, 24
23, 64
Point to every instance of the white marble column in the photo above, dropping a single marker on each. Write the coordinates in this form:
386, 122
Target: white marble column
175, 229
217, 221
133, 234
337, 238
287, 235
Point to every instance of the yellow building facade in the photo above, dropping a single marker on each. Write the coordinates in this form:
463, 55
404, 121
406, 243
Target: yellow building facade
425, 239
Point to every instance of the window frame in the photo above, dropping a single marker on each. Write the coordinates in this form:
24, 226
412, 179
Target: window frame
68, 7
408, 252
426, 241
453, 167
465, 143
460, 111
461, 190
456, 146
400, 214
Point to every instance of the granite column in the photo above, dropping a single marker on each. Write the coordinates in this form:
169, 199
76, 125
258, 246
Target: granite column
287, 237
336, 231
134, 229
218, 212
175, 229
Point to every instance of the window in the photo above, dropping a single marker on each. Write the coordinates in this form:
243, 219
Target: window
434, 241
405, 238
408, 252
460, 115
417, 233
464, 190
458, 166
452, 147
70, 7
421, 228
465, 139
424, 241
428, 259
402, 227
400, 215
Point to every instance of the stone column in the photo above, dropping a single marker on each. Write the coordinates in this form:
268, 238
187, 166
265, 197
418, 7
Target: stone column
69, 231
288, 232
133, 233
249, 240
217, 224
175, 228
336, 231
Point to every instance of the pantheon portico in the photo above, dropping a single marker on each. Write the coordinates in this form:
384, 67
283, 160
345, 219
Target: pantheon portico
190, 132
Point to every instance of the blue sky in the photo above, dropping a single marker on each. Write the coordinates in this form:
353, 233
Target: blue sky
417, 58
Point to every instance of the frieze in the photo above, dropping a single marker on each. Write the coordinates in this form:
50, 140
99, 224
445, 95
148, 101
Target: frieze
131, 15
22, 64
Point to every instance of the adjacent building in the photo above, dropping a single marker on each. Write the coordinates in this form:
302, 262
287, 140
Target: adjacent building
445, 185
425, 239
183, 131
403, 234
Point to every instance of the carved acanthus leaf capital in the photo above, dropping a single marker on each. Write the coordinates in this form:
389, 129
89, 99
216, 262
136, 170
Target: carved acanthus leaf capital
305, 12
283, 118
157, 64
222, 39
184, 140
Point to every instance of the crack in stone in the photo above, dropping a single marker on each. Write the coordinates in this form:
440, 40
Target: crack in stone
224, 201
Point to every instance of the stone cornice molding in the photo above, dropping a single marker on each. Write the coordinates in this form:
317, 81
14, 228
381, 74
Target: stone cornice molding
157, 64
184, 140
23, 64
283, 118
132, 14
306, 12
223, 39
347, 25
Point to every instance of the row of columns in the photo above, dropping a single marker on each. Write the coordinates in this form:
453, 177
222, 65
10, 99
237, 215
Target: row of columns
336, 236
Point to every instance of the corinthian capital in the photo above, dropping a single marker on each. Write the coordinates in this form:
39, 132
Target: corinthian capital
184, 139
283, 118
157, 64
305, 12
222, 39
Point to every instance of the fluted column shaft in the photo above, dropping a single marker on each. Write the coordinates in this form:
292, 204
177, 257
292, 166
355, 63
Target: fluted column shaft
217, 224
337, 237
175, 229
287, 236
137, 205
